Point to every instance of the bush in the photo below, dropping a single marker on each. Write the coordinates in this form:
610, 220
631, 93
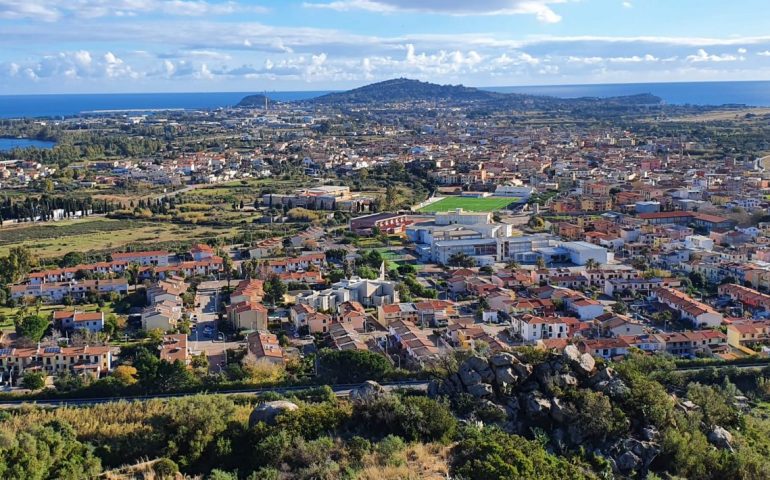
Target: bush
165, 468
352, 366
387, 450
33, 381
491, 454
413, 418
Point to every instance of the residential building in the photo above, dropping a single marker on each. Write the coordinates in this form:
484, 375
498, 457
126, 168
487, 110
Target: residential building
51, 360
265, 347
698, 313
73, 320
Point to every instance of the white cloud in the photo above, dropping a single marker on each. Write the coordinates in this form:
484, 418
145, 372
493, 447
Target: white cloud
628, 5
53, 10
539, 8
80, 64
765, 53
703, 56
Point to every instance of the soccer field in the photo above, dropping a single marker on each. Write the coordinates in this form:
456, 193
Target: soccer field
470, 204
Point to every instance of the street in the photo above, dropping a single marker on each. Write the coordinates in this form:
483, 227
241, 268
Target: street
205, 337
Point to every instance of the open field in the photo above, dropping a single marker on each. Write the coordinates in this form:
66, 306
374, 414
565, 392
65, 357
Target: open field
731, 114
47, 310
95, 234
470, 204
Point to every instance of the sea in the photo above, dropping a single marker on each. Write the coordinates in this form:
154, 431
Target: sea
7, 144
752, 93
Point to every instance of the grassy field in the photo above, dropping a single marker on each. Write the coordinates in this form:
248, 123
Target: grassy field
47, 310
95, 234
470, 204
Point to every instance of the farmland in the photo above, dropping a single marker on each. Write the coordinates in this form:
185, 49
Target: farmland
470, 204
98, 233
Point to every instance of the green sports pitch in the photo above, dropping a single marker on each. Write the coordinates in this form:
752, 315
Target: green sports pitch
469, 204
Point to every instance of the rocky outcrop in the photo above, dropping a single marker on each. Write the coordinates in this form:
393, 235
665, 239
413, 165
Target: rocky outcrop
368, 392
267, 412
721, 438
533, 396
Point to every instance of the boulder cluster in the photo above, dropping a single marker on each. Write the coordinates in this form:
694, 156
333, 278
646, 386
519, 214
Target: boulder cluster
531, 397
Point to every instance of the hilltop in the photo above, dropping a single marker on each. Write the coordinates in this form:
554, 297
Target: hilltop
257, 101
406, 90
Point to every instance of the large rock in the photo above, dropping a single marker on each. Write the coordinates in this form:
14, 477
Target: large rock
269, 411
481, 366
628, 462
558, 411
522, 370
502, 360
581, 363
481, 390
506, 376
469, 376
367, 392
721, 438
535, 404
602, 375
565, 380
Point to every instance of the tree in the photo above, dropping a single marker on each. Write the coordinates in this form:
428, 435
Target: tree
592, 264
228, 266
620, 308
349, 366
125, 374
540, 262
461, 259
31, 327
274, 289
17, 264
698, 279
33, 380
133, 271
536, 223
72, 259
48, 450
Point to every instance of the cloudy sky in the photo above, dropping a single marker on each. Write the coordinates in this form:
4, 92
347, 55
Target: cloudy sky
62, 46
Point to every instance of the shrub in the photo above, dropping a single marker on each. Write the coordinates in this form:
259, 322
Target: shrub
165, 468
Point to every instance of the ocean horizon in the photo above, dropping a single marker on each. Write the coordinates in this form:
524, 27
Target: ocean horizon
751, 93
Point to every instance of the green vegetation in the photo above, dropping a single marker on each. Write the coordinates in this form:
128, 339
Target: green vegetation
470, 204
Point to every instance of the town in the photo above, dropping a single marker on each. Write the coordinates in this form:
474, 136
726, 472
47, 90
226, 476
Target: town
402, 257
411, 232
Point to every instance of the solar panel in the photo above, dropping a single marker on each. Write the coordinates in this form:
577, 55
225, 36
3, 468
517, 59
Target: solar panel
5, 351
52, 350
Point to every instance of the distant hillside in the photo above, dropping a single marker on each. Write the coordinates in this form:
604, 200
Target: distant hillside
406, 90
253, 101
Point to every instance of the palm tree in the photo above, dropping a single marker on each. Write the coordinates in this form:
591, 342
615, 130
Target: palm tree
133, 273
592, 264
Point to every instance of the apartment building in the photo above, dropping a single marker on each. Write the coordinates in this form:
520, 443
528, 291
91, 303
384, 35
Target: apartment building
697, 313
93, 360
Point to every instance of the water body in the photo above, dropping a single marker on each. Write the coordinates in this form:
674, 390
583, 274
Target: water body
7, 144
755, 94
694, 93
18, 106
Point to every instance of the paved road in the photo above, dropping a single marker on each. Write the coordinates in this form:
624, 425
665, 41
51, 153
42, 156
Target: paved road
742, 366
341, 390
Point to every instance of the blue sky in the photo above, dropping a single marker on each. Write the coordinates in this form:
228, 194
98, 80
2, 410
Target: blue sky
60, 46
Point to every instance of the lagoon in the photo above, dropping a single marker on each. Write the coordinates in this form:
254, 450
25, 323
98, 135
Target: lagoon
8, 144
